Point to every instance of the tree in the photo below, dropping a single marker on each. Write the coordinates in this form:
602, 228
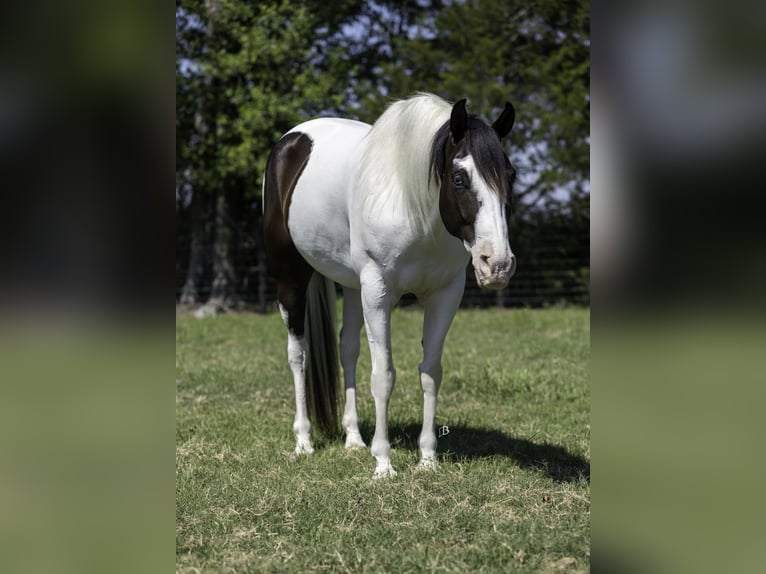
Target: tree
246, 72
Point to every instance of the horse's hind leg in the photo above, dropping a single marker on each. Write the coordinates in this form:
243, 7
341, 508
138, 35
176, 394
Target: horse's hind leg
292, 306
440, 308
349, 354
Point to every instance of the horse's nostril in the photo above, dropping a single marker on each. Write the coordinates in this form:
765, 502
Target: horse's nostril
484, 267
511, 265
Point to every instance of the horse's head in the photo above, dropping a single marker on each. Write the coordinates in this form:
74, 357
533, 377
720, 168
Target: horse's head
475, 179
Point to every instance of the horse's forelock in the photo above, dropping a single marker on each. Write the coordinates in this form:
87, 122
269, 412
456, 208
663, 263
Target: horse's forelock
482, 144
438, 153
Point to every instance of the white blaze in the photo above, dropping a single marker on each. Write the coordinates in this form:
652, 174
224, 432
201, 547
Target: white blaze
491, 254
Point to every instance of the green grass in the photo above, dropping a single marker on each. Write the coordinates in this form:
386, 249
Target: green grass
512, 492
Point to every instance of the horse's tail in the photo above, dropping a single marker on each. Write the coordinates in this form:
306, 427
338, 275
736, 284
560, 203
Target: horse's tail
322, 358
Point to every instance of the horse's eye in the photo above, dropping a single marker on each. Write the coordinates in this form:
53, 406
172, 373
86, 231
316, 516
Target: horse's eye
457, 179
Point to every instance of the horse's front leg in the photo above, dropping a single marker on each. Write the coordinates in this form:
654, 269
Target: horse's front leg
440, 308
376, 304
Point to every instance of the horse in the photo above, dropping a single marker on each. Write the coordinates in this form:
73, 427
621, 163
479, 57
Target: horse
395, 208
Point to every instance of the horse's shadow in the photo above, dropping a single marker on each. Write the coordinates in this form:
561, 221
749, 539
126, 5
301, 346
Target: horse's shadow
465, 443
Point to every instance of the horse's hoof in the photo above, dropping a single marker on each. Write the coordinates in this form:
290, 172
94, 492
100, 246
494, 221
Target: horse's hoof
384, 472
354, 441
429, 463
303, 449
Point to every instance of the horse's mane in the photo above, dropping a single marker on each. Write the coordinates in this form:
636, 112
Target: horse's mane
395, 171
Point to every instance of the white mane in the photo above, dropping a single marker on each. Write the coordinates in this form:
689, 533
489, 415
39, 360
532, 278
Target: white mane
394, 174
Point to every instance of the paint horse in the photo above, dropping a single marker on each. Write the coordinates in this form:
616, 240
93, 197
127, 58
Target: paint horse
383, 210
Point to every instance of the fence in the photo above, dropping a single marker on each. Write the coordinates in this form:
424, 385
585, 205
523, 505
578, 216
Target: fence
553, 255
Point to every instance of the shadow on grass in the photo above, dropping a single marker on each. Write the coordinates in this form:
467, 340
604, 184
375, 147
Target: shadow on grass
465, 443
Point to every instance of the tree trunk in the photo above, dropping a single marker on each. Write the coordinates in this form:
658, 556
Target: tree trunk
190, 295
262, 273
223, 276
224, 294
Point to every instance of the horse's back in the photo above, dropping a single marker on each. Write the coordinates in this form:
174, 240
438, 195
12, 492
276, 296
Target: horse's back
319, 209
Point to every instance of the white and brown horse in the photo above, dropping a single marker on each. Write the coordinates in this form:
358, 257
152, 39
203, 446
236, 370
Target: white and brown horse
383, 210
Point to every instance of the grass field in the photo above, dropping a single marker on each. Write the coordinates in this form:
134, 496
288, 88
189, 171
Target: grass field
512, 492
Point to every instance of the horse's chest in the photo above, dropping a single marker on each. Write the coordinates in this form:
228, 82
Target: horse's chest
429, 268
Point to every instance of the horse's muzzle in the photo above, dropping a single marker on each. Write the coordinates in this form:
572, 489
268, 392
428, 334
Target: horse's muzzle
494, 272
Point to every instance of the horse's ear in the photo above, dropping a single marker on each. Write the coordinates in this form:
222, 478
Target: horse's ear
504, 123
458, 121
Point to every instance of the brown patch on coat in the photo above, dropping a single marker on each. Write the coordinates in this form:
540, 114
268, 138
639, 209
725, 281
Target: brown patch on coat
283, 261
458, 205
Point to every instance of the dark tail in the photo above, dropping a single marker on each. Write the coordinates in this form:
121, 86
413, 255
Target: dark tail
322, 361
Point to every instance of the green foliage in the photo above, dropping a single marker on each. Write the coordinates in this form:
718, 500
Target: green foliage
248, 71
511, 492
253, 70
